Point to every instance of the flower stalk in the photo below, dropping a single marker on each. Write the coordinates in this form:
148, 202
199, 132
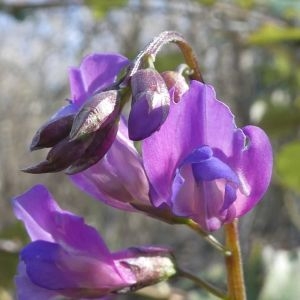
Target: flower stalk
157, 43
202, 283
234, 266
208, 237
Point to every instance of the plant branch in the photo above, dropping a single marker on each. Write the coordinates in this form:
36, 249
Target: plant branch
202, 283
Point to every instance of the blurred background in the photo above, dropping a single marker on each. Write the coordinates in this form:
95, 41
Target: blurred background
248, 49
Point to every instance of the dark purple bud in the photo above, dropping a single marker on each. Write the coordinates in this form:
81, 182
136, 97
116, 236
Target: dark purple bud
96, 113
150, 104
52, 132
101, 143
61, 156
150, 265
176, 84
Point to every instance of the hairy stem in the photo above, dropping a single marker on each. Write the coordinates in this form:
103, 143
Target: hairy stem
235, 274
202, 284
157, 43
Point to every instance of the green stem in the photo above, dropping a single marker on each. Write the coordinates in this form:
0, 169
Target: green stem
235, 274
202, 284
157, 43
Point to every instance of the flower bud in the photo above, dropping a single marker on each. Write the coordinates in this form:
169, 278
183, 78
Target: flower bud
61, 156
149, 265
96, 113
150, 104
100, 144
52, 132
176, 84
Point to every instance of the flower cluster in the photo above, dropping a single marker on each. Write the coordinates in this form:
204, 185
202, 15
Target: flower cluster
194, 163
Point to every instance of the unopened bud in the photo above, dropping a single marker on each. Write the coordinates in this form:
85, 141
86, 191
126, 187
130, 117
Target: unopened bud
150, 265
150, 104
101, 143
96, 113
176, 84
61, 156
52, 132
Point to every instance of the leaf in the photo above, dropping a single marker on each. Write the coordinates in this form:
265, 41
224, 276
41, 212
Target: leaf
288, 165
271, 34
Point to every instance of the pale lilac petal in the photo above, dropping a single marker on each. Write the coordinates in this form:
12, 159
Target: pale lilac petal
35, 208
119, 178
254, 168
97, 71
198, 119
185, 201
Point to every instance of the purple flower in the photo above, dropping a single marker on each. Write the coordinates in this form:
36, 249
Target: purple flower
81, 132
202, 166
68, 258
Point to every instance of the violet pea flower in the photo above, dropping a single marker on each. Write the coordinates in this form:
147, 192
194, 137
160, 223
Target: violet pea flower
202, 166
67, 259
119, 179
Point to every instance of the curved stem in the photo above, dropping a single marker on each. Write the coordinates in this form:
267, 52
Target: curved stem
202, 283
158, 42
235, 274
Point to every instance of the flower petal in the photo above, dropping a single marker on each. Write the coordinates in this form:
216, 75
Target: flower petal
119, 178
44, 220
96, 72
27, 290
254, 168
35, 208
50, 266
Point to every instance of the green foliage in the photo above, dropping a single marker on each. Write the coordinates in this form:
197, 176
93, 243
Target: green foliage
270, 34
288, 165
101, 8
206, 2
168, 62
14, 233
281, 120
8, 265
